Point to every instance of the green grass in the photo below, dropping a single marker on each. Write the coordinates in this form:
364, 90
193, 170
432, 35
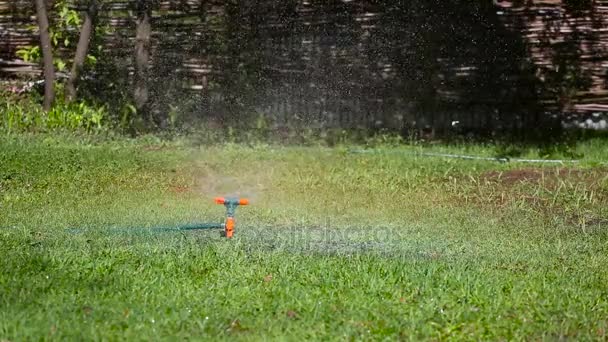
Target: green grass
334, 246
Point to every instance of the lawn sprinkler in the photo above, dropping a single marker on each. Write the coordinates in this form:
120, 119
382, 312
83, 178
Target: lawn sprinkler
231, 204
229, 224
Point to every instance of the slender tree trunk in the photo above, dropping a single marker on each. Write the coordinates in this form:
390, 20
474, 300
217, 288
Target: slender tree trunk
86, 31
47, 54
142, 55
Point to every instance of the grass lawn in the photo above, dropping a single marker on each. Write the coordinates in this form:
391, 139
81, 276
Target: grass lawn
334, 246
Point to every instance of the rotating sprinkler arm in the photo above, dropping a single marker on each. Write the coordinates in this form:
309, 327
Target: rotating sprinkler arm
231, 204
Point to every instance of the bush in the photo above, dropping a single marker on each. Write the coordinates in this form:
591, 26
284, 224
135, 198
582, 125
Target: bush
24, 113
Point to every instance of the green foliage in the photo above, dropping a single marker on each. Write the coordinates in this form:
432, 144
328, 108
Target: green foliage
385, 139
63, 31
557, 150
19, 115
30, 54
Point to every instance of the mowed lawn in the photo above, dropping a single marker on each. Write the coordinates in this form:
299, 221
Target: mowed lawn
334, 245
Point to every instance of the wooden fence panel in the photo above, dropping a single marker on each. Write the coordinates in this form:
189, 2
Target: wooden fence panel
364, 64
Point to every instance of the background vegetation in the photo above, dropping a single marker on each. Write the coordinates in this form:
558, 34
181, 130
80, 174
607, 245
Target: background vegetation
502, 68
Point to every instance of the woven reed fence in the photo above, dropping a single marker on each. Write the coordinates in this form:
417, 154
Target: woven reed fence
358, 63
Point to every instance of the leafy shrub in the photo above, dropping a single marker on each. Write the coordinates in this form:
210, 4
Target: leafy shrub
18, 114
64, 30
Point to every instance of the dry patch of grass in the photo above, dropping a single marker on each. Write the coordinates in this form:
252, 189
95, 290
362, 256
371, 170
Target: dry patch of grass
574, 196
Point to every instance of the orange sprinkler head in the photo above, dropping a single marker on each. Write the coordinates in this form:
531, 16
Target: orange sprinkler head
231, 205
229, 227
231, 201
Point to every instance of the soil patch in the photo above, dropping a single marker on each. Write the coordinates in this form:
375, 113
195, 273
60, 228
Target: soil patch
178, 189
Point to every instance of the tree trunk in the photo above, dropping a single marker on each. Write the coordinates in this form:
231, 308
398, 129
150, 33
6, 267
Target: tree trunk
142, 54
47, 54
82, 48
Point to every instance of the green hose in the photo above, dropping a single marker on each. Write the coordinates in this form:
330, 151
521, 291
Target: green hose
126, 230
